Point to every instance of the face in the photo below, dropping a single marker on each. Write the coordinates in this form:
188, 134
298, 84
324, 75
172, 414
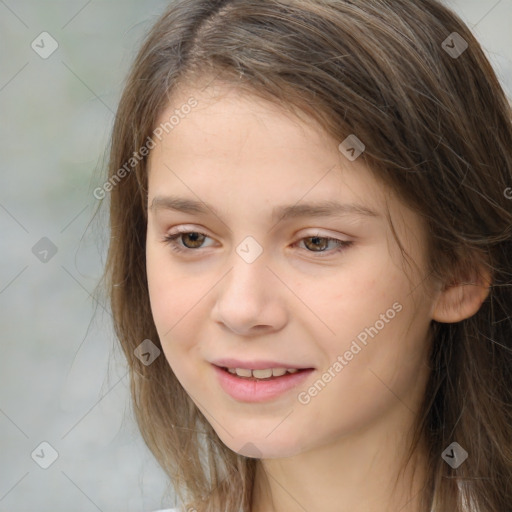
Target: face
320, 289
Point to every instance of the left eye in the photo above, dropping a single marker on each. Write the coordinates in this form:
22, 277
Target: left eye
197, 238
323, 241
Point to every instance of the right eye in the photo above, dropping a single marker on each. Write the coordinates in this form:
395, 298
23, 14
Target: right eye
195, 240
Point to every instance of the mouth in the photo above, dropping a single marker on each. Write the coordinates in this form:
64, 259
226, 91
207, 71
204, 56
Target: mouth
262, 374
261, 384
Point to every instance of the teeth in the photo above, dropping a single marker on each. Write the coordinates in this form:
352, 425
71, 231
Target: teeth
243, 372
261, 374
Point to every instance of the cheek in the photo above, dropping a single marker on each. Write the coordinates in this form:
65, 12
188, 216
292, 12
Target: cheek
175, 299
160, 295
387, 373
356, 298
380, 331
167, 294
170, 291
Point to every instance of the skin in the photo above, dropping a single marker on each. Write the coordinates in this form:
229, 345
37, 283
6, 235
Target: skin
294, 303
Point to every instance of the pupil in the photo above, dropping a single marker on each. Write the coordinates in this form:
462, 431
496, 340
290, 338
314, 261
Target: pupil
194, 237
315, 240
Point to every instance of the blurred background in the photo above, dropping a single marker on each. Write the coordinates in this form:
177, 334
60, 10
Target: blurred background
68, 439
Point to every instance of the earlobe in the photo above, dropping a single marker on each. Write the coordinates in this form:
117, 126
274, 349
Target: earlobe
462, 300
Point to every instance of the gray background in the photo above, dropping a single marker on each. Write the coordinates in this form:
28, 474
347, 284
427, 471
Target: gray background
63, 379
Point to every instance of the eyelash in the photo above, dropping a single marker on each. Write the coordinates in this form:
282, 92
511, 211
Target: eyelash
171, 240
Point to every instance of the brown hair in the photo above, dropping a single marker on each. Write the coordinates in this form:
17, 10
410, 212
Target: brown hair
438, 132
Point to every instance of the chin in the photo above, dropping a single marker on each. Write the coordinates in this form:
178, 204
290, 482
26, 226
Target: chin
261, 448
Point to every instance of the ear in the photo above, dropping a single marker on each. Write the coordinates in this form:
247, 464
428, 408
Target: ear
461, 299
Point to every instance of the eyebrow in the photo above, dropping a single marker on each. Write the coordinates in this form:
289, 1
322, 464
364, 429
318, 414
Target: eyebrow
279, 213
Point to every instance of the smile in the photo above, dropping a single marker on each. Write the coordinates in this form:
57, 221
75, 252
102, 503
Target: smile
267, 373
262, 385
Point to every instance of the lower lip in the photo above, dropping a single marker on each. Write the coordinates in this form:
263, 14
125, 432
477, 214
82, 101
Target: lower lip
249, 390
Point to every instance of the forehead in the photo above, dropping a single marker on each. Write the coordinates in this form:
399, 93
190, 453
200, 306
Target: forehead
228, 119
231, 139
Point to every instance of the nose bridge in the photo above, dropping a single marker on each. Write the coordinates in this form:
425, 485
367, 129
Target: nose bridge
247, 297
249, 272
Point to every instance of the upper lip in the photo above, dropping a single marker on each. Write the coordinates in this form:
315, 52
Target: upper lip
256, 364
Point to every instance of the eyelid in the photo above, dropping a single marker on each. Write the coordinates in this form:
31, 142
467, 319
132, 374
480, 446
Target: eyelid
183, 229
171, 239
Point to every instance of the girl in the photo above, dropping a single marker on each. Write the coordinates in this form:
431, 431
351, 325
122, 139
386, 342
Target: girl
310, 257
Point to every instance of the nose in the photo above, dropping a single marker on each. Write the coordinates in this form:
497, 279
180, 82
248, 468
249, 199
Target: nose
250, 299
